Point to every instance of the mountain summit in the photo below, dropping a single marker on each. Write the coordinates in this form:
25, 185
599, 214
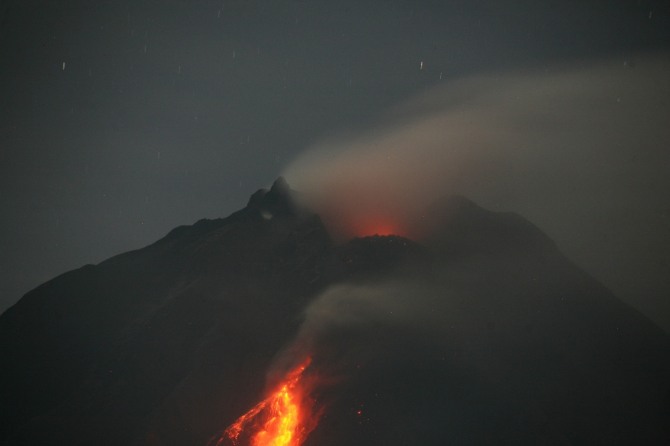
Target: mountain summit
482, 332
279, 200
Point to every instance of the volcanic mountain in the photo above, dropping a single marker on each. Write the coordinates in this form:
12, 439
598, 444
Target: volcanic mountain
479, 332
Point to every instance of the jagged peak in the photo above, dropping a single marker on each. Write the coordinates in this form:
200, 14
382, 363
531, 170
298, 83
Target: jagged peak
278, 200
281, 186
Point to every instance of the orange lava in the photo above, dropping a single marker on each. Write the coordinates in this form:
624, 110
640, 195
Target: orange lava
371, 225
284, 418
377, 229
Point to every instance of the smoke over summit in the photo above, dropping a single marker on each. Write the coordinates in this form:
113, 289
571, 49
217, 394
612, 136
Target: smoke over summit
580, 150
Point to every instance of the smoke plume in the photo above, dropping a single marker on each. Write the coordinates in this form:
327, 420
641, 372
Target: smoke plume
581, 151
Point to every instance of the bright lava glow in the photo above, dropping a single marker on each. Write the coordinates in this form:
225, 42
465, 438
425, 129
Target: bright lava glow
284, 418
372, 225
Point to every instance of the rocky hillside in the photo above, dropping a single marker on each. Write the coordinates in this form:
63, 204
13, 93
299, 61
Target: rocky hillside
499, 338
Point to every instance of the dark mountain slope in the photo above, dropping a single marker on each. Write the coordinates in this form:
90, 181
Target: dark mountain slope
513, 345
495, 337
95, 350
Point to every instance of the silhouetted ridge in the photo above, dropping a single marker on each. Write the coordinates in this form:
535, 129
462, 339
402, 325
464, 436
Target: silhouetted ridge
457, 224
170, 343
278, 201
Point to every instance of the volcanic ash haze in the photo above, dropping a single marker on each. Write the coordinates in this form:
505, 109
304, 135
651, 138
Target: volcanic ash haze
580, 150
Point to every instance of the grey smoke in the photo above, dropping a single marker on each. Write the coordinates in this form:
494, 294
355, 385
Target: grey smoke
581, 150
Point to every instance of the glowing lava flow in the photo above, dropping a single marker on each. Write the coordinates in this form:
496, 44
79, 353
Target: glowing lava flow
285, 418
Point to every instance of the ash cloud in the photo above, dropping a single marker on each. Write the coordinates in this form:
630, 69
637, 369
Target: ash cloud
579, 150
351, 325
351, 307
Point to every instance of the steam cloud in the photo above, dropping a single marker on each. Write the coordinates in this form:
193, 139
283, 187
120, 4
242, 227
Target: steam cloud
581, 151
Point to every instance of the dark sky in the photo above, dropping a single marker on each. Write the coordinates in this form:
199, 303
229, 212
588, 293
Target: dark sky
123, 119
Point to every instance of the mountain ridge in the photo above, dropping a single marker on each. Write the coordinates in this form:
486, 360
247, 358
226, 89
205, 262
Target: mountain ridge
130, 350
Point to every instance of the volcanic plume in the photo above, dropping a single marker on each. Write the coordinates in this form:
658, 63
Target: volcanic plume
579, 149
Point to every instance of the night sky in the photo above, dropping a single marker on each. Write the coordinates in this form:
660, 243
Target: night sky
121, 120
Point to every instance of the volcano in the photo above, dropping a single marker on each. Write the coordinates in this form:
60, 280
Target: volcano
479, 332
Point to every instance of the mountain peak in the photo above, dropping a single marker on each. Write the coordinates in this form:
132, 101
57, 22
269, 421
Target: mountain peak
279, 200
280, 186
